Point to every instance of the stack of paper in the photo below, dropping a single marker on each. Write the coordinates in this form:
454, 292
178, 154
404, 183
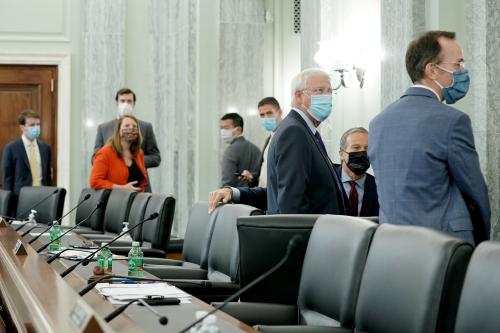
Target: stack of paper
119, 293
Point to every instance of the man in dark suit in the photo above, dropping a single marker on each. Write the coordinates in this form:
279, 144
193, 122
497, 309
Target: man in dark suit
360, 187
125, 101
422, 151
301, 178
241, 154
26, 161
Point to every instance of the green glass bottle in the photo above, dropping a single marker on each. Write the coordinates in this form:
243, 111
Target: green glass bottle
135, 260
55, 231
105, 259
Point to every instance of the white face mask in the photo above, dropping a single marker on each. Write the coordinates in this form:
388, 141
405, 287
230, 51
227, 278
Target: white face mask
226, 135
124, 108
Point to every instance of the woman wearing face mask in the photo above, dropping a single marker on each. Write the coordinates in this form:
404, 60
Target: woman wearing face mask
120, 163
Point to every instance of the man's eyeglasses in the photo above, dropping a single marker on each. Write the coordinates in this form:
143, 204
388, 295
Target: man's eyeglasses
460, 64
320, 91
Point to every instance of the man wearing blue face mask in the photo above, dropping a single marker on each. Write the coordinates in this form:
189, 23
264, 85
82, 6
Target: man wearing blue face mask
270, 117
422, 151
26, 161
301, 178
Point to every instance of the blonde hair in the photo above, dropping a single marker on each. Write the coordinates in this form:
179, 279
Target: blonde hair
115, 139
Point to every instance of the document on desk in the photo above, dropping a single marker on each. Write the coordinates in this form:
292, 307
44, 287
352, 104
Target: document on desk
120, 293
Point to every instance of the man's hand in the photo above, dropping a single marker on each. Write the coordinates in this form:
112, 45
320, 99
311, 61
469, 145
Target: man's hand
223, 195
246, 176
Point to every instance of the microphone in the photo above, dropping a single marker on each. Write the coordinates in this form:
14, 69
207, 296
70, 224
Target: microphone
92, 284
293, 243
162, 319
86, 260
36, 204
99, 205
58, 221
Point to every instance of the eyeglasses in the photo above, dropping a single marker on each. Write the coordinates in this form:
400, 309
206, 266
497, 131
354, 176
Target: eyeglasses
460, 64
320, 91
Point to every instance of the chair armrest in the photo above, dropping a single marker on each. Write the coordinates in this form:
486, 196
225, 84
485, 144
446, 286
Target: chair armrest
163, 261
176, 272
253, 313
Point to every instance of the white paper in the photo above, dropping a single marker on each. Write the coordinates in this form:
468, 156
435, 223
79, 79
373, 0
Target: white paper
119, 293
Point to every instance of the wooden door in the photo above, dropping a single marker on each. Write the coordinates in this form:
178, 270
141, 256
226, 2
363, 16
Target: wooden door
29, 87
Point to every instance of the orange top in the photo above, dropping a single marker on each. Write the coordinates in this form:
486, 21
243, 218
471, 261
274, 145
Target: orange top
109, 169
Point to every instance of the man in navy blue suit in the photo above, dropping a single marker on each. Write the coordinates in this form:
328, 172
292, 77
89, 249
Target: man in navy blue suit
422, 151
360, 187
301, 176
26, 160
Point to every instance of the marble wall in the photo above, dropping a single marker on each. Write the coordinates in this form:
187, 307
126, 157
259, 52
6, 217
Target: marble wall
481, 49
103, 63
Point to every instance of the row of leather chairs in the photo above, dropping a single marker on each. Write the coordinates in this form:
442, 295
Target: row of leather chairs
358, 276
117, 206
104, 213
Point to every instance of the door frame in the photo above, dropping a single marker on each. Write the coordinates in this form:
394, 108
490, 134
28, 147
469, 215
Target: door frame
63, 63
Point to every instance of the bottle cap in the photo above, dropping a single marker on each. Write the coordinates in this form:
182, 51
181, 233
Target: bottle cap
135, 243
210, 320
200, 313
104, 244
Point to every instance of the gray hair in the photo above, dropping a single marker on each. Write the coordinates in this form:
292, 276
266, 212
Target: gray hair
343, 139
300, 80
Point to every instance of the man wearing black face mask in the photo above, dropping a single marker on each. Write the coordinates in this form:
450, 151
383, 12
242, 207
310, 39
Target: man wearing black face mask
359, 186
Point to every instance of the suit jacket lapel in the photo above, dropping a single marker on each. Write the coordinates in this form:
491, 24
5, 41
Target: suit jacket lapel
22, 152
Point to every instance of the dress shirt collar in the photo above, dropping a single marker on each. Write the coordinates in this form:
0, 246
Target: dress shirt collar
307, 120
345, 179
27, 142
428, 88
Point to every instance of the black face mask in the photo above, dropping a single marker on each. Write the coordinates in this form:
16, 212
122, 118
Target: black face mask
358, 162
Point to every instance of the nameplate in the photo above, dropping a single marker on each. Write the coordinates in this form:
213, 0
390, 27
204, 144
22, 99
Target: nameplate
19, 249
82, 318
3, 223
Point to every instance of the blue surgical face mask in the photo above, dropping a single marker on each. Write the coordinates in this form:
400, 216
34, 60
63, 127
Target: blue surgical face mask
458, 87
33, 132
269, 124
321, 107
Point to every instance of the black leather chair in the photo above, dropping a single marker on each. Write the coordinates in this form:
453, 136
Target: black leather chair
272, 234
94, 223
331, 275
6, 198
136, 215
154, 234
47, 211
117, 211
221, 278
412, 281
196, 240
480, 299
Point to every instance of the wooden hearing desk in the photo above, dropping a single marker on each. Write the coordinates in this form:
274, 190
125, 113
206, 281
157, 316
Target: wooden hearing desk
37, 299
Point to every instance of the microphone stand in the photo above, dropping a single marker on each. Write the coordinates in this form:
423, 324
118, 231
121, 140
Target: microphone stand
162, 319
86, 260
70, 229
293, 243
56, 222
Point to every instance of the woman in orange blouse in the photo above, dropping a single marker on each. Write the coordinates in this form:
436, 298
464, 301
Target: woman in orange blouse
120, 163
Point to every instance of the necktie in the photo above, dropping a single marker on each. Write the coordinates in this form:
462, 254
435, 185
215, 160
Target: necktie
35, 170
335, 176
353, 199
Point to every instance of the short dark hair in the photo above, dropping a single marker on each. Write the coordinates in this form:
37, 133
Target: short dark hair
124, 91
236, 118
269, 101
423, 50
27, 114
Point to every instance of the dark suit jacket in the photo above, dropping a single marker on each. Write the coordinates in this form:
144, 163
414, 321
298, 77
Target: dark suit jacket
301, 178
254, 196
369, 206
16, 167
152, 157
